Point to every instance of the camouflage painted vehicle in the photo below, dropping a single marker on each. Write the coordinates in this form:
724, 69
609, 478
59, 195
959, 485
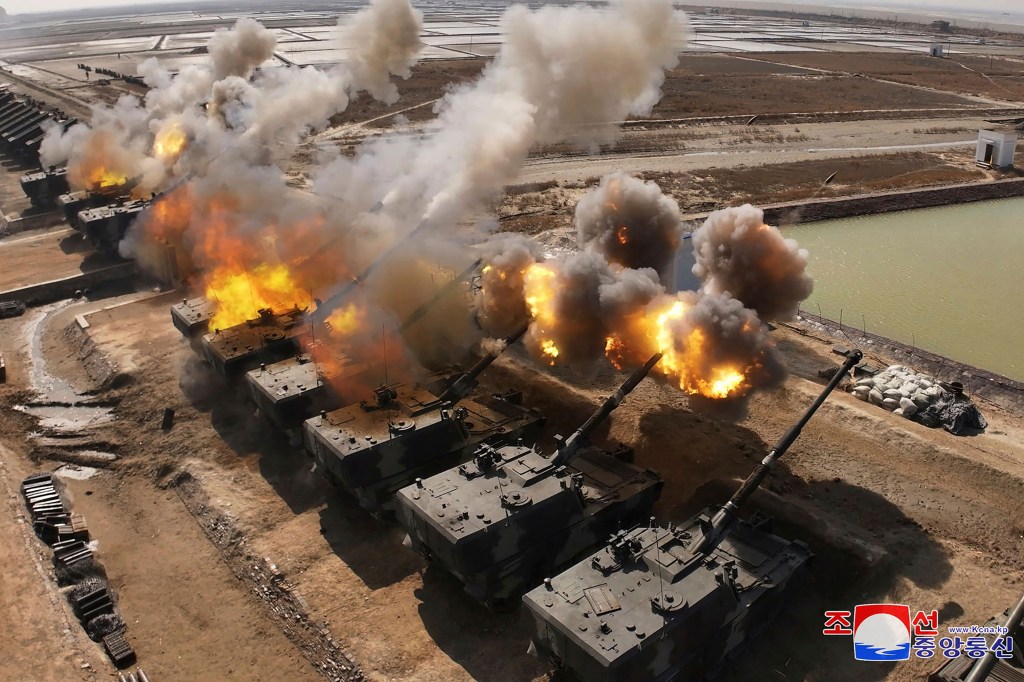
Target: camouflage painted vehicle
43, 187
192, 316
105, 225
1008, 668
410, 431
510, 516
672, 603
291, 390
268, 338
73, 203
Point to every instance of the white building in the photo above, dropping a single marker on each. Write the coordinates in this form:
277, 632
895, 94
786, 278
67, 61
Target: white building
995, 148
937, 50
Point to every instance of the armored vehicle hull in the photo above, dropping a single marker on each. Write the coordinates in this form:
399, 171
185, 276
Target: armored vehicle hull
673, 603
105, 226
372, 451
990, 668
266, 339
45, 186
73, 203
504, 530
621, 614
510, 516
191, 317
290, 391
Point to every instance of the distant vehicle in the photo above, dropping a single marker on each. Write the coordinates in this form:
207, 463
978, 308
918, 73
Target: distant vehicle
12, 309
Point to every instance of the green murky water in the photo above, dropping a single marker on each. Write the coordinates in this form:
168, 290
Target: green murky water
948, 279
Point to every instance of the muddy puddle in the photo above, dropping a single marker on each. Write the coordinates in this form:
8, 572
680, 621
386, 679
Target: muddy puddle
62, 413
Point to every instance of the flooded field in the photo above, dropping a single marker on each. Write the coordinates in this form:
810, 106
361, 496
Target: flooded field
946, 279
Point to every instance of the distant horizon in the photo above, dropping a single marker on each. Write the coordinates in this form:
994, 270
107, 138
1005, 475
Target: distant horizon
977, 10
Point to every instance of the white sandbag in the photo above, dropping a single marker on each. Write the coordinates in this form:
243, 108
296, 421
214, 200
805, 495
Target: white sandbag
890, 404
861, 391
921, 400
898, 411
912, 386
896, 368
892, 393
924, 382
905, 392
894, 384
866, 381
875, 397
908, 407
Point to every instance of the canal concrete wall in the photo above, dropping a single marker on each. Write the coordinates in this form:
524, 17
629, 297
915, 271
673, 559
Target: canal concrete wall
996, 388
886, 202
808, 211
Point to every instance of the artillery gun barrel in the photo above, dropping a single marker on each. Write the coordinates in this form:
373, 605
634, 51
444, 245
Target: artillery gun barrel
448, 287
723, 519
576, 442
460, 387
983, 667
333, 302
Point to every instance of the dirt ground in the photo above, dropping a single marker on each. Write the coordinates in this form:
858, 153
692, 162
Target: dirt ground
232, 560
919, 529
536, 208
999, 78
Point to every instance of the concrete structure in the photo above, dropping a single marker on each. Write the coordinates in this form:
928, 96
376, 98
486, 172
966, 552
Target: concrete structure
995, 148
937, 50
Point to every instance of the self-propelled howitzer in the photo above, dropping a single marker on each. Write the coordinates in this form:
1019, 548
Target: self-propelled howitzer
672, 603
372, 449
292, 390
510, 516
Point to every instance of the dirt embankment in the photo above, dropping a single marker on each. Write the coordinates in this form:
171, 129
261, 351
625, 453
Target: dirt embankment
544, 206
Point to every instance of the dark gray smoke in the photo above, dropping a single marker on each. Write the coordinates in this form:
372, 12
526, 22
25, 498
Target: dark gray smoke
499, 303
737, 253
718, 332
576, 302
630, 222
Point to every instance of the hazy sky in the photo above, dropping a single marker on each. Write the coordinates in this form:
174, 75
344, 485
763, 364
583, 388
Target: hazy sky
1014, 6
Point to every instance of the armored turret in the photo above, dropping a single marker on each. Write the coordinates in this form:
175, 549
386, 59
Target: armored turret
291, 390
510, 516
267, 338
105, 225
672, 603
372, 449
44, 187
192, 316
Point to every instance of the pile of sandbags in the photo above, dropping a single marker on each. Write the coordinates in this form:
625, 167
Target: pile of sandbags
920, 397
900, 390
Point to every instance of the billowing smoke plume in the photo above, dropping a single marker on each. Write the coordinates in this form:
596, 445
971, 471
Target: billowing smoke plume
587, 305
227, 107
629, 221
737, 253
383, 41
499, 302
719, 354
576, 302
564, 73
238, 52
